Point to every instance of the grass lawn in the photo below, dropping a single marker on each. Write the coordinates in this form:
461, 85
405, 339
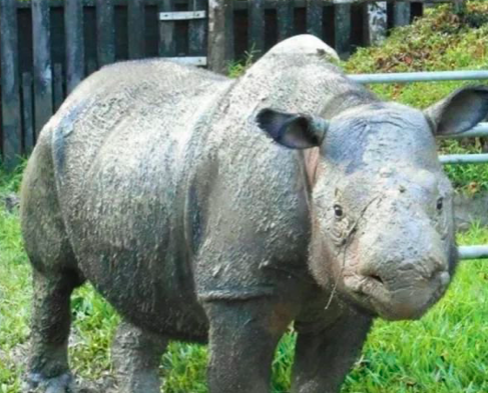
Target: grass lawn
446, 351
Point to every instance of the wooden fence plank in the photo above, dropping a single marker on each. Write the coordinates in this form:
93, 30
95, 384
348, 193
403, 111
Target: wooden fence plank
220, 34
58, 91
342, 30
136, 29
10, 84
43, 77
197, 30
75, 54
167, 41
286, 16
256, 26
91, 66
105, 32
315, 17
27, 113
459, 6
401, 14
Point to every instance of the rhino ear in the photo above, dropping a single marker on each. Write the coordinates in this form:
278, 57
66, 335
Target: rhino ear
296, 131
460, 111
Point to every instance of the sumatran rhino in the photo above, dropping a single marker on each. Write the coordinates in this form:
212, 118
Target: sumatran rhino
204, 208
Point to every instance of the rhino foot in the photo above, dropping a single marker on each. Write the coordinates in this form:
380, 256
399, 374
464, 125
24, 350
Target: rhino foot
36, 383
136, 354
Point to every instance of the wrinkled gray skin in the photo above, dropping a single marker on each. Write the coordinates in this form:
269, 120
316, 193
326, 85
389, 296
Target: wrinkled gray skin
162, 186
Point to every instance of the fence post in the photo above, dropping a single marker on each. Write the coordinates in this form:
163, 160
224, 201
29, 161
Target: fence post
342, 30
10, 84
286, 14
43, 77
196, 33
256, 26
314, 17
167, 41
29, 136
401, 14
105, 32
75, 54
136, 28
58, 91
220, 34
376, 22
459, 6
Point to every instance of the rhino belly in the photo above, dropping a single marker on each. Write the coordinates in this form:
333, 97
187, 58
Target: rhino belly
129, 238
149, 292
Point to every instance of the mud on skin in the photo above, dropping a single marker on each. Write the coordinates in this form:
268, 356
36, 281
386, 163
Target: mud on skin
207, 209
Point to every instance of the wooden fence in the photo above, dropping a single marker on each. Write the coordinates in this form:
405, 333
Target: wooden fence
48, 46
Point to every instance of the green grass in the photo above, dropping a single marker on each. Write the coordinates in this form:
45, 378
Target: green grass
446, 351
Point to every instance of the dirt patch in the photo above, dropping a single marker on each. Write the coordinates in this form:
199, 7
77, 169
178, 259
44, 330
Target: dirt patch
11, 202
471, 209
105, 384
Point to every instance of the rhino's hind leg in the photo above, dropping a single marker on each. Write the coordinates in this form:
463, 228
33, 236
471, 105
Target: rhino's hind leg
48, 365
136, 355
55, 273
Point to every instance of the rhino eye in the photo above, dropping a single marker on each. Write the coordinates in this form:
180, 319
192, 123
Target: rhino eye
338, 211
440, 204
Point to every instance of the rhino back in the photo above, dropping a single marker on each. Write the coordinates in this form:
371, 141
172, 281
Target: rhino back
121, 151
127, 105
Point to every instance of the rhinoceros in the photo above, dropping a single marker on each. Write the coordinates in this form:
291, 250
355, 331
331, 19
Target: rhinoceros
206, 209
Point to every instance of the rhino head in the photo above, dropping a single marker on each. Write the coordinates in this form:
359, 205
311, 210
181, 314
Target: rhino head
381, 206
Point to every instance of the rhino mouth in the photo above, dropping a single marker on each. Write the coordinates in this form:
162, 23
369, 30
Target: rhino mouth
397, 301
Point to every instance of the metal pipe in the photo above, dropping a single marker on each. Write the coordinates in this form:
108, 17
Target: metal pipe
481, 130
405, 77
464, 159
473, 252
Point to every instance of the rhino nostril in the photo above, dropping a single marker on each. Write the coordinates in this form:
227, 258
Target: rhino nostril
376, 278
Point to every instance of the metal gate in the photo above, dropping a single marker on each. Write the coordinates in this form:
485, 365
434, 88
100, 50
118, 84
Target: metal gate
465, 252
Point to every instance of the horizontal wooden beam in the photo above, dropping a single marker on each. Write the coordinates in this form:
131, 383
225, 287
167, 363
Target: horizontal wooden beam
182, 15
188, 60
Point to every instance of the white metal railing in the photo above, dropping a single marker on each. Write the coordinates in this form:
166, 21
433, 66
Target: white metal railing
473, 252
407, 77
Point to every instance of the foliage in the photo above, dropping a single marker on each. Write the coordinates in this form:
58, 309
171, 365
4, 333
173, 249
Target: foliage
238, 67
14, 289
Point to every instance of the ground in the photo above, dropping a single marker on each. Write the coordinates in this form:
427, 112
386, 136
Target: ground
446, 351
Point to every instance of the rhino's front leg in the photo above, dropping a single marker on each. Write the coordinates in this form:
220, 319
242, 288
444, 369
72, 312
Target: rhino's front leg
243, 338
136, 355
323, 358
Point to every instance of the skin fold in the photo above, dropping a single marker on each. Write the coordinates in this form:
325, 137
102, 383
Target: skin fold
214, 210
